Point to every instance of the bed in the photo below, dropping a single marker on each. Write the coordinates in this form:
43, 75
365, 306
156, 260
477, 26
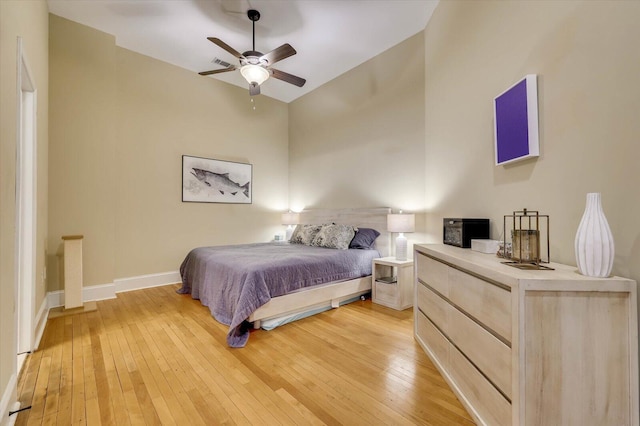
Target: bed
275, 283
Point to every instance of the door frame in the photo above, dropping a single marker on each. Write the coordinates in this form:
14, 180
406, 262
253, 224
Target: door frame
26, 207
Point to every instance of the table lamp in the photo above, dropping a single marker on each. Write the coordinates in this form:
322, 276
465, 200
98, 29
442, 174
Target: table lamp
401, 223
290, 218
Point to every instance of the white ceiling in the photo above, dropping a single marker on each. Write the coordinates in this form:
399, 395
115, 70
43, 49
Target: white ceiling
330, 36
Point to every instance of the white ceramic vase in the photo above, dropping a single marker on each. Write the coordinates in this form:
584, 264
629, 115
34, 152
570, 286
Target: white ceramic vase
594, 241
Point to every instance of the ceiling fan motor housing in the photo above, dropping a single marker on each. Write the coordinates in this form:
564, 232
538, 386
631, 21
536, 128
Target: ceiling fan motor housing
254, 58
253, 15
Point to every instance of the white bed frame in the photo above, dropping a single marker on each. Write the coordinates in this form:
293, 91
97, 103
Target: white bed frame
333, 294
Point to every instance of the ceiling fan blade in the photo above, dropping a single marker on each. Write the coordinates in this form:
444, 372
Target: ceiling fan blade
225, 46
279, 54
254, 89
217, 71
289, 78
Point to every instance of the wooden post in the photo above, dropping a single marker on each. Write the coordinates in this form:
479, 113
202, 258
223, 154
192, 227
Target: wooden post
72, 271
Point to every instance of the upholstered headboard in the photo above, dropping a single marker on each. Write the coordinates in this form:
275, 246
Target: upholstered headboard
375, 218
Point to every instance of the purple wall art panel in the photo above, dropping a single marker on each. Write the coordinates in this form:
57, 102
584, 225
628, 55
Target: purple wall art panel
516, 122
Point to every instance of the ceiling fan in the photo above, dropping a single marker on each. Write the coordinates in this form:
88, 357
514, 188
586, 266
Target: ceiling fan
255, 67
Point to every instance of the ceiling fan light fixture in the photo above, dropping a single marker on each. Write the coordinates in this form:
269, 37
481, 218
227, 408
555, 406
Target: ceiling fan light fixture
254, 74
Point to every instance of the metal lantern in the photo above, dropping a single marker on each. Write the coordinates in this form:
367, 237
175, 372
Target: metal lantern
529, 232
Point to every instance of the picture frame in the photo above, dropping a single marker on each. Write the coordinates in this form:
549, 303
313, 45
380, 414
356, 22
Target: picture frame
207, 180
515, 113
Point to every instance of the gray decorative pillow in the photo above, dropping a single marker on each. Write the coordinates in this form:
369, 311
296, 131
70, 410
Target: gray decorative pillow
304, 234
365, 239
334, 236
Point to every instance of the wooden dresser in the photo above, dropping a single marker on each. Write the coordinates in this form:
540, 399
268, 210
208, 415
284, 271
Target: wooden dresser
528, 347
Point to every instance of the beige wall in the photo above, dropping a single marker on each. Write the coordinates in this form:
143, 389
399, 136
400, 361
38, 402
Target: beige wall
82, 169
587, 61
122, 123
165, 112
358, 141
28, 20
348, 136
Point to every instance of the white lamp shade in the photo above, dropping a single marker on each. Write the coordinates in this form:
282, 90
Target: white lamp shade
254, 74
401, 222
290, 218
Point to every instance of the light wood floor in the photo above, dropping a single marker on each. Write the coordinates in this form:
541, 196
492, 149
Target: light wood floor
155, 357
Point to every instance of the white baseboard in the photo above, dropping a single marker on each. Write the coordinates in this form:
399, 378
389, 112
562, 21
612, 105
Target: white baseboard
90, 293
55, 298
147, 281
9, 396
41, 322
15, 407
98, 292
108, 291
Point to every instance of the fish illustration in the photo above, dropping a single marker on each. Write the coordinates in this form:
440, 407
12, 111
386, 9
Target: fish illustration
221, 182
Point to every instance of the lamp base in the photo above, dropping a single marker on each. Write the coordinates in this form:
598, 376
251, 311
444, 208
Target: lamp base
401, 247
289, 232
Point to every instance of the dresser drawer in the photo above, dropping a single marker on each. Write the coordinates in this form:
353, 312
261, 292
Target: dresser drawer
489, 354
486, 302
434, 273
490, 405
436, 343
386, 294
434, 306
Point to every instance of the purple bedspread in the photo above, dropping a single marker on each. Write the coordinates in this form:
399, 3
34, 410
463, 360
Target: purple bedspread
233, 281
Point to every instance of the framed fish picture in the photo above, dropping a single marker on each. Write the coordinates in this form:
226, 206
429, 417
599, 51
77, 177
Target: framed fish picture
206, 180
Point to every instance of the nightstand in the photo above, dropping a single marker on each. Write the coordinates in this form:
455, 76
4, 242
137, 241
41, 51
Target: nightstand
392, 283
